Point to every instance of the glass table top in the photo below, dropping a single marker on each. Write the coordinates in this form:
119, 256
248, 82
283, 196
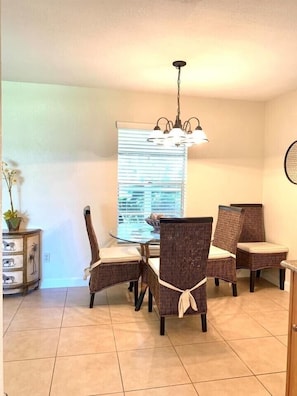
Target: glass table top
136, 233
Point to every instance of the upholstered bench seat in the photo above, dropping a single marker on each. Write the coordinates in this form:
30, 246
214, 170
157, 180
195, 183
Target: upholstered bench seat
262, 247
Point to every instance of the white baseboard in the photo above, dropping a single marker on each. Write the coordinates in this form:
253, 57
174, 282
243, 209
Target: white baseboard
272, 276
243, 273
65, 282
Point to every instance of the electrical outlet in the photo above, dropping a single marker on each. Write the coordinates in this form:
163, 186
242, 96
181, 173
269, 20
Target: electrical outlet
47, 257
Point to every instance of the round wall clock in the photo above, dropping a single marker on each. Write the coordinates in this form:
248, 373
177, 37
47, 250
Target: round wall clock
290, 163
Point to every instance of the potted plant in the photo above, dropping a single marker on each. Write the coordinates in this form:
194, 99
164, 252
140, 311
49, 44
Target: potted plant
11, 216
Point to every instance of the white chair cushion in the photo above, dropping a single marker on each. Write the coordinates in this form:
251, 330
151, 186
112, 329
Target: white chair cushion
119, 254
262, 247
214, 253
154, 263
218, 253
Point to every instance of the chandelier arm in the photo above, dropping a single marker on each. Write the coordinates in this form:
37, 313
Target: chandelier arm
169, 125
157, 123
187, 126
194, 118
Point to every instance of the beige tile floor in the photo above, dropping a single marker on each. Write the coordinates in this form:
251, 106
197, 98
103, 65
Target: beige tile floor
55, 345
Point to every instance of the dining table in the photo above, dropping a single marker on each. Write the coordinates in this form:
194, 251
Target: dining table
147, 238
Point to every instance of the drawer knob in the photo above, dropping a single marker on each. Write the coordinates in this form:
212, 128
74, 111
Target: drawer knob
294, 327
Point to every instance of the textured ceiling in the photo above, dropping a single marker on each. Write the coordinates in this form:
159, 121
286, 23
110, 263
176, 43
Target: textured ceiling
240, 49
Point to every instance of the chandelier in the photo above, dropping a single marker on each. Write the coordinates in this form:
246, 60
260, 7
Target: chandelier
178, 133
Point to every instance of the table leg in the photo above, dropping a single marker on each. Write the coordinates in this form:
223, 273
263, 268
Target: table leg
145, 252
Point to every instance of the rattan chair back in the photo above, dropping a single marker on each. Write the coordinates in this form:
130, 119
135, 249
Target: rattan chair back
228, 228
92, 235
184, 248
253, 227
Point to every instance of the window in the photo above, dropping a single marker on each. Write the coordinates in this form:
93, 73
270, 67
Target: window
151, 179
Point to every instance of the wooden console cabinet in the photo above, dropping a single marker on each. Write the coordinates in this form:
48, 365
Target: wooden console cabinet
20, 260
291, 385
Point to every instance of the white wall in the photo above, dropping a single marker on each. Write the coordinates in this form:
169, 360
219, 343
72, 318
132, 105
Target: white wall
279, 194
229, 168
64, 140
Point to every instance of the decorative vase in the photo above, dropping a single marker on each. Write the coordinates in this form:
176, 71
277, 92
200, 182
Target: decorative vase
14, 223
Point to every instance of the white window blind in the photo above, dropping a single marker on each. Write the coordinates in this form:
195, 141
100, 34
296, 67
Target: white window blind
151, 179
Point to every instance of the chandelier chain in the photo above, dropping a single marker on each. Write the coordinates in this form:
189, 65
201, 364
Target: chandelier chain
178, 93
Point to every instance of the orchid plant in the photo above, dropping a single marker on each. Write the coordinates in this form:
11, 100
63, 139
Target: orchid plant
9, 176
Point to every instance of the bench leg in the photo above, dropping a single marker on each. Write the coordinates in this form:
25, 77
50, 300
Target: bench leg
252, 281
282, 276
234, 289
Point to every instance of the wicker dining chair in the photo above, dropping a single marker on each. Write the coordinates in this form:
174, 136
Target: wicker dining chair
110, 265
178, 277
221, 262
253, 251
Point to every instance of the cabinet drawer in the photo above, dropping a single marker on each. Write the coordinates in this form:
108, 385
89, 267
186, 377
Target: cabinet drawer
12, 261
12, 244
12, 278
